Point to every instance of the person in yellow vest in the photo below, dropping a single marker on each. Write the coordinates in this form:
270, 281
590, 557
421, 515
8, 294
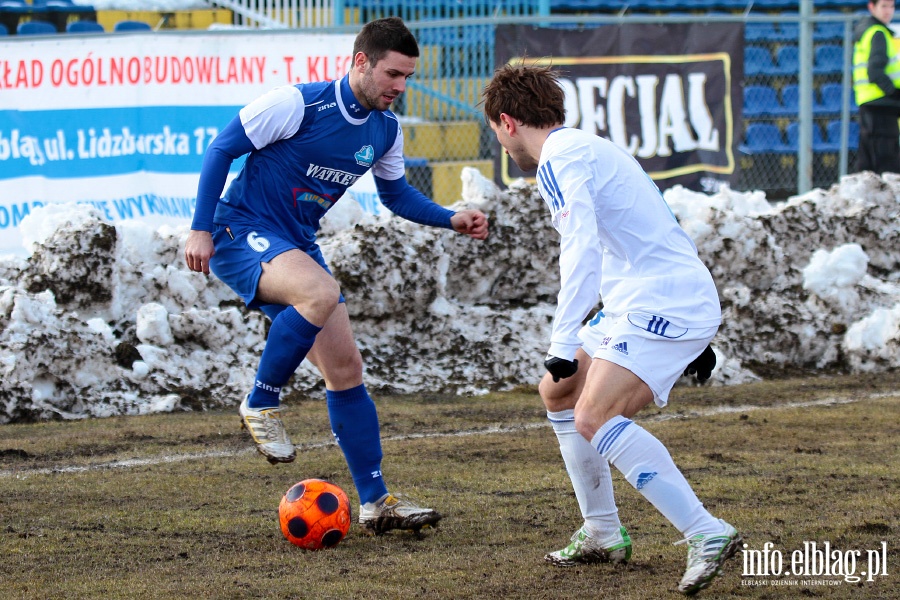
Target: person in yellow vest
876, 79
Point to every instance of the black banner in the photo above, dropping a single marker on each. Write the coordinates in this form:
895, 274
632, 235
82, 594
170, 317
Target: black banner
670, 94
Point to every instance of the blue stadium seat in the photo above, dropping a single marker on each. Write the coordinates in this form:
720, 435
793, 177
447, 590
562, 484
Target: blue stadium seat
654, 5
35, 28
830, 99
3, 29
732, 5
760, 32
577, 5
64, 5
789, 31
132, 26
790, 100
19, 6
775, 4
13, 11
788, 62
760, 100
438, 36
829, 59
830, 30
84, 27
819, 144
758, 61
834, 134
763, 138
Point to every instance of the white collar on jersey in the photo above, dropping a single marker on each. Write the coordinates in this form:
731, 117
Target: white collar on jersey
350, 107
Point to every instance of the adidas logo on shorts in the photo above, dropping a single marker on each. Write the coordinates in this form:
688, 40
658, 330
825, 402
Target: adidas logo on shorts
621, 347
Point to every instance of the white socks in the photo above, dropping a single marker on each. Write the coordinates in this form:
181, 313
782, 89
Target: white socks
649, 467
590, 477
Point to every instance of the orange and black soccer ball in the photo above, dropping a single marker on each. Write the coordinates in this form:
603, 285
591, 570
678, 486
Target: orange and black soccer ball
314, 514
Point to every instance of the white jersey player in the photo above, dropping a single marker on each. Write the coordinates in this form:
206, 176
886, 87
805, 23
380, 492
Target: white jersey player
618, 241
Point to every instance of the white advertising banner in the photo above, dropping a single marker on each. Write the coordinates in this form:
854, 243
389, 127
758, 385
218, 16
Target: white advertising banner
122, 121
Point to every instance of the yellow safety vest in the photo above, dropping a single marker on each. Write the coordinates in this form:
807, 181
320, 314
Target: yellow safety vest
864, 90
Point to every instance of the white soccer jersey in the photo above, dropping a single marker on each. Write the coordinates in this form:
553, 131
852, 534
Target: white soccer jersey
618, 238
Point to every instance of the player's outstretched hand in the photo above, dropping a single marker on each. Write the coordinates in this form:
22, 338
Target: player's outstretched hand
470, 222
560, 368
703, 365
197, 250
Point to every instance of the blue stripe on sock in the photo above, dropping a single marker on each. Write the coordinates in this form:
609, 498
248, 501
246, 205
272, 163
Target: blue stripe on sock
569, 420
611, 436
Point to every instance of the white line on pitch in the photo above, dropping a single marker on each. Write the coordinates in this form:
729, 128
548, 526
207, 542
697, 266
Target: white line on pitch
176, 458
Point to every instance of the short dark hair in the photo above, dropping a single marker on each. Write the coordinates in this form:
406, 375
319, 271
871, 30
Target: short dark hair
381, 36
529, 93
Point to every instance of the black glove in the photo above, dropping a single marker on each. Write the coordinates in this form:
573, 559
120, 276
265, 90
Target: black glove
703, 365
560, 368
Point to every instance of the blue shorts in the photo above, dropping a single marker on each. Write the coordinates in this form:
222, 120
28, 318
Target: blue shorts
240, 252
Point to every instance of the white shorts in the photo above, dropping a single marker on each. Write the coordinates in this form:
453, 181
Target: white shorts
649, 346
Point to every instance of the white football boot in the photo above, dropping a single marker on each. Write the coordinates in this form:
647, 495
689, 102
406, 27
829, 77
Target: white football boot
392, 513
586, 549
706, 554
268, 432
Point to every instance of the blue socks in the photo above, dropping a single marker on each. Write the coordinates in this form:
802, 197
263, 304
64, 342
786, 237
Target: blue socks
354, 419
290, 338
354, 424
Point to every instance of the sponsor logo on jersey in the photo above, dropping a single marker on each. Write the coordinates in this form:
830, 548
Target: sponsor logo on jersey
644, 478
365, 156
326, 106
332, 175
597, 319
257, 242
302, 195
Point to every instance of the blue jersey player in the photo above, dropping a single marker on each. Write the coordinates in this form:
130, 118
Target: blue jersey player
307, 144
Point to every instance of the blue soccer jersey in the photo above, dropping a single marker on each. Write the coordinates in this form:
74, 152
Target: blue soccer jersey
307, 144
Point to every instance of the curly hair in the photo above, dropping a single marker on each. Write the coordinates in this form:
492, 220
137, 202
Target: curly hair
529, 93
